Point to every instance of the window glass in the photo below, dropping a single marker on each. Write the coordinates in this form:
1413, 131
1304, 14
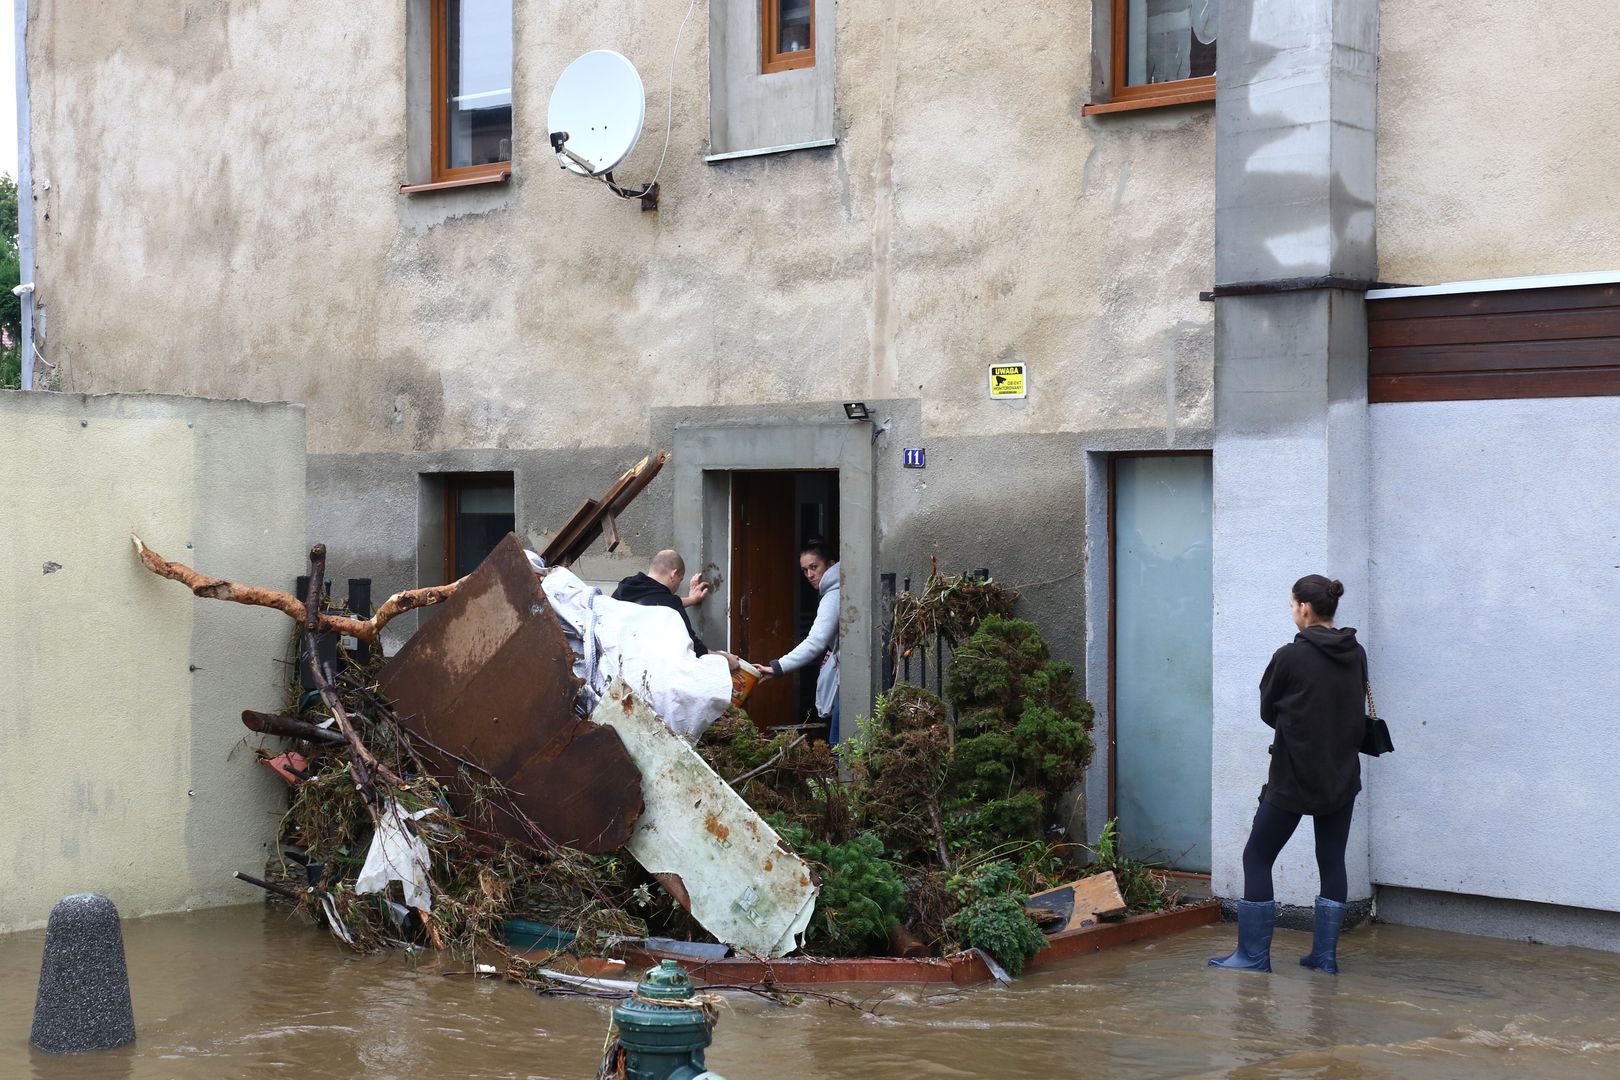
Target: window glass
792, 26
483, 515
1169, 40
478, 80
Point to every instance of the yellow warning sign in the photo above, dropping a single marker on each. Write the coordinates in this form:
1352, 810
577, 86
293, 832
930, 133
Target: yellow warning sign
1007, 380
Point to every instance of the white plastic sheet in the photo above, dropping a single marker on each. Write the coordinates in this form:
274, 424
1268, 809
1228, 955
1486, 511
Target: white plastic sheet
647, 647
397, 855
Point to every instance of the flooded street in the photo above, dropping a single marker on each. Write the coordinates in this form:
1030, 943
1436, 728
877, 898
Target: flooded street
242, 992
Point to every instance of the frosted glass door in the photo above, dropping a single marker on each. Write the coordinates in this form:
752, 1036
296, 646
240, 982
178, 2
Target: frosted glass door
1163, 615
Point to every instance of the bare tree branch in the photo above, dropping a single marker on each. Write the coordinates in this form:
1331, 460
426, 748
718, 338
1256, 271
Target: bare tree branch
367, 630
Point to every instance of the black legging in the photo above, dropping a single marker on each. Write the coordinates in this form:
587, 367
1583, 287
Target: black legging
1271, 830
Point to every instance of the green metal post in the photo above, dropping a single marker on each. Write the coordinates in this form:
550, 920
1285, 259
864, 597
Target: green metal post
664, 1041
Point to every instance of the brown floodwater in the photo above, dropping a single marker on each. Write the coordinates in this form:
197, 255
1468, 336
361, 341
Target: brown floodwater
244, 992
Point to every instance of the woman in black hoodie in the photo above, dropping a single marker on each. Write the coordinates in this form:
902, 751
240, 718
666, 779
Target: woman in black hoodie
1312, 695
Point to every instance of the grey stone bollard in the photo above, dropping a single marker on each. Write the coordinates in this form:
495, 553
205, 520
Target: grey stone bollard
83, 1001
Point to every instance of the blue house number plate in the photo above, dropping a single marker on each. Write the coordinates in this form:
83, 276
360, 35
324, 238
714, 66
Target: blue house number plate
915, 458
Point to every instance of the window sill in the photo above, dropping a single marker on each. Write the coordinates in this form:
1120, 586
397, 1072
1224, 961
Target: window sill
1155, 101
732, 155
467, 181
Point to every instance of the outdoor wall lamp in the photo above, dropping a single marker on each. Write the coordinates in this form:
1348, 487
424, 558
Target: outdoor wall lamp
857, 410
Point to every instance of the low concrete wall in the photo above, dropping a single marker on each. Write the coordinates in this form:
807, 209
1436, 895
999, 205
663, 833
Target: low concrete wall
1496, 566
120, 692
1515, 920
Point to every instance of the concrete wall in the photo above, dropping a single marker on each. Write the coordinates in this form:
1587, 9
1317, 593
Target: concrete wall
1496, 566
1498, 139
212, 227
1295, 111
120, 693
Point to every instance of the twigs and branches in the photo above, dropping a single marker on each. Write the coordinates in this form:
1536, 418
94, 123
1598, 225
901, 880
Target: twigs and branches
213, 588
771, 763
365, 762
948, 609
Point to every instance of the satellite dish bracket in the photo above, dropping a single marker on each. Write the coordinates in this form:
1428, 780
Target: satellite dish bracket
648, 193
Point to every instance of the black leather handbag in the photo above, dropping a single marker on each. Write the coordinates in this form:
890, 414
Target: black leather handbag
1375, 739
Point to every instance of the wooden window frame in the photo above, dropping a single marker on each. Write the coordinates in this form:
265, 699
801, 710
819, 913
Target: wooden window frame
453, 485
771, 61
441, 175
1125, 98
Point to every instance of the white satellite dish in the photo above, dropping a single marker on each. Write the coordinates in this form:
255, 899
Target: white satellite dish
596, 112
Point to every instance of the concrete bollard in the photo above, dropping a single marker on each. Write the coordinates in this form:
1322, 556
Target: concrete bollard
83, 1001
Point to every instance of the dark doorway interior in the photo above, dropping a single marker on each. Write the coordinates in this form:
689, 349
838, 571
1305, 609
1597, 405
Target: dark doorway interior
772, 606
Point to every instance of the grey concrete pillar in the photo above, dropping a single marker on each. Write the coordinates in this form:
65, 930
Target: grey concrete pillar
1295, 250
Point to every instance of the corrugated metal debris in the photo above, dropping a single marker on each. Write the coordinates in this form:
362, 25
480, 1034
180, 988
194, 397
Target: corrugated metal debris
711, 850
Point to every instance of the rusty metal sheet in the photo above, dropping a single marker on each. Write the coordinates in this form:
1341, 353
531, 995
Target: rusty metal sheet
709, 848
489, 678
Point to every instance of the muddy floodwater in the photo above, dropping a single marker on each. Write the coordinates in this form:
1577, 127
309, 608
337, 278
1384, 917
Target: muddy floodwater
243, 992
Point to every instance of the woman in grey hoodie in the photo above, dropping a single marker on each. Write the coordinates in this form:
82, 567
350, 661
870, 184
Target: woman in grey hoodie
820, 568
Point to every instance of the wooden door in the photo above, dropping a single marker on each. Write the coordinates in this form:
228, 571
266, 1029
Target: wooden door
764, 579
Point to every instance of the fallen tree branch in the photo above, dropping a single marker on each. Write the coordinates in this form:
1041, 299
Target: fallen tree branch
365, 762
367, 630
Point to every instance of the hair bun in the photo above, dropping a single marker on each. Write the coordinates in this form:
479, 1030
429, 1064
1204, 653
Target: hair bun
1335, 588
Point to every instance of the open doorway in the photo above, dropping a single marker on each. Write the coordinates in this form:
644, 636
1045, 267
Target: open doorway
773, 514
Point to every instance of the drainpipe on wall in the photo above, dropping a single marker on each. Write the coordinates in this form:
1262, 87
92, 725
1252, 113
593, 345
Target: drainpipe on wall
25, 198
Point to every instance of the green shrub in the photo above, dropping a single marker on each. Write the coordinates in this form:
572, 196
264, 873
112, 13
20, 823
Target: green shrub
992, 915
1023, 730
862, 895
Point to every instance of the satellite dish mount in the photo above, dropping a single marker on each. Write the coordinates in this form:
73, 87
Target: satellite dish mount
595, 118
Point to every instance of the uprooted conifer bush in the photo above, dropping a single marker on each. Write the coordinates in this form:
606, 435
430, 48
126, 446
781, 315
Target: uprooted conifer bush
1022, 734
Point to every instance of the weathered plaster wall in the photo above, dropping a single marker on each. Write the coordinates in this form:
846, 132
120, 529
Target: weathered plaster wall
120, 692
221, 218
1496, 560
1498, 139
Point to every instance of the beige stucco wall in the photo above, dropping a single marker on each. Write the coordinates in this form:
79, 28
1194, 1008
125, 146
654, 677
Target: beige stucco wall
222, 218
1498, 139
120, 693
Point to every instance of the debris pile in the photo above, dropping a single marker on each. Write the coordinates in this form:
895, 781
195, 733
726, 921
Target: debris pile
461, 876
525, 761
945, 831
949, 608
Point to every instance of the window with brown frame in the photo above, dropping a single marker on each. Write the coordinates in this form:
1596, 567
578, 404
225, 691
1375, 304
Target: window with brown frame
787, 35
1162, 53
472, 89
478, 513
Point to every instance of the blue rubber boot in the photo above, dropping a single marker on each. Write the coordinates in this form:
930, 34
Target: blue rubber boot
1324, 954
1255, 921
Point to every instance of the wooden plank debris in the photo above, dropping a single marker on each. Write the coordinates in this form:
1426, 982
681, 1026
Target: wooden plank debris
599, 517
1077, 904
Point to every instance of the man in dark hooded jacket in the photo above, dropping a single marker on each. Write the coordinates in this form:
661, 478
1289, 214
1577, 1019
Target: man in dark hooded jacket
656, 588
